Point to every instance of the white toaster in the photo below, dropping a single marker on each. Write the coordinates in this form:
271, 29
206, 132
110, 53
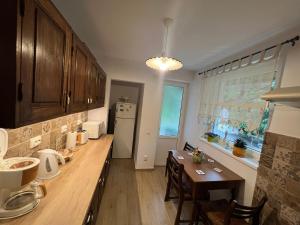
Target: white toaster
93, 129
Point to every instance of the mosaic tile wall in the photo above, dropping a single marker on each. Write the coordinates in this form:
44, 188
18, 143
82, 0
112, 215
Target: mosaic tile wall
50, 130
278, 176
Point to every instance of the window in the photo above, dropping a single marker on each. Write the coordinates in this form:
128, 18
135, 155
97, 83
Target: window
231, 107
171, 110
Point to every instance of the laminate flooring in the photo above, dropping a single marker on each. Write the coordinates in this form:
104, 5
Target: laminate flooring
136, 197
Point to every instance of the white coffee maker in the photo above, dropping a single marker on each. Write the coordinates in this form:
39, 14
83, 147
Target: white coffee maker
19, 192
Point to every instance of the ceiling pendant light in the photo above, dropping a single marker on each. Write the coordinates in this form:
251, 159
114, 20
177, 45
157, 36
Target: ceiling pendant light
164, 63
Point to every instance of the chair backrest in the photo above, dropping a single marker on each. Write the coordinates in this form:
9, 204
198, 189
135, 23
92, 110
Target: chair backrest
175, 171
188, 147
244, 212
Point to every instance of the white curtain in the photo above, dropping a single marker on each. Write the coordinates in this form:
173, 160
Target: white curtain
233, 97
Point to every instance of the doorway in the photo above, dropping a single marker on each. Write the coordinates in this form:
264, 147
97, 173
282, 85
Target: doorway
125, 97
171, 119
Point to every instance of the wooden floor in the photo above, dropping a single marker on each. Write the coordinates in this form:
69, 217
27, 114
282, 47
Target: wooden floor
136, 197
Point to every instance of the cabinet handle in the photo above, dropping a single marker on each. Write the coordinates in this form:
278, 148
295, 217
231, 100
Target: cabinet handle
91, 100
68, 101
88, 219
88, 100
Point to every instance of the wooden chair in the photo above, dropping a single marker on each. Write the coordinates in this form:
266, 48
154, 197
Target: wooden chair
220, 213
177, 182
187, 147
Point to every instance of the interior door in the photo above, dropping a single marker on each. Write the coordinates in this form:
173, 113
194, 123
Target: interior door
171, 119
45, 51
78, 94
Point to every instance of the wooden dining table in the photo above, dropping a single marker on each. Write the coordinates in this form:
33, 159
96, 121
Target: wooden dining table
211, 180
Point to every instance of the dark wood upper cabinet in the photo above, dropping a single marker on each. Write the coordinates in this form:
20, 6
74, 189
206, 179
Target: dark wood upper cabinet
93, 84
46, 71
78, 94
96, 85
102, 88
45, 51
36, 48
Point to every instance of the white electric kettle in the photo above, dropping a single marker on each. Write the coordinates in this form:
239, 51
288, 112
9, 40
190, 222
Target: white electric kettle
48, 167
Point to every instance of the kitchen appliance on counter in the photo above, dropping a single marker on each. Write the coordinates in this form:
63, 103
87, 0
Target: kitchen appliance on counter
71, 140
93, 129
124, 129
82, 137
19, 193
48, 167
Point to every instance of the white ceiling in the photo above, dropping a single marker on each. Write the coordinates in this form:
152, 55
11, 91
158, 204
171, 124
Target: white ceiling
203, 32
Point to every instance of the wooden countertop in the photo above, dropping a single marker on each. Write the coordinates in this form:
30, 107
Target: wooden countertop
70, 193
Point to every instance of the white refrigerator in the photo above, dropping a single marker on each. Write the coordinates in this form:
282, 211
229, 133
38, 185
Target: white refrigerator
124, 129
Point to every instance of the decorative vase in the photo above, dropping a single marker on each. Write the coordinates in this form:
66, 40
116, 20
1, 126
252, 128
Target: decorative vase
239, 152
197, 159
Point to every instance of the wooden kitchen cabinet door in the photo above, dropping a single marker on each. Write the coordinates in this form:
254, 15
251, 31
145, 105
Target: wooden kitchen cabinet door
102, 89
78, 94
94, 85
45, 50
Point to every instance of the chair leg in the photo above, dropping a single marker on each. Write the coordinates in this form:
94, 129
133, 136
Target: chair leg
179, 209
167, 196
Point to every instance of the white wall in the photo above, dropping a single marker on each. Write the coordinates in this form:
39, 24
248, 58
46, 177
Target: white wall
285, 121
148, 131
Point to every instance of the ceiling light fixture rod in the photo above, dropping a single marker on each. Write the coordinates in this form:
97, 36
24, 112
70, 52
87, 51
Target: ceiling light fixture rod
167, 22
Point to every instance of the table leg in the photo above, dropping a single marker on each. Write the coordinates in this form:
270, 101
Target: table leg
234, 192
194, 208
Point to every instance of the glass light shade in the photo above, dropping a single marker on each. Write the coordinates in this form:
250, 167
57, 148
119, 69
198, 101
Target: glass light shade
164, 63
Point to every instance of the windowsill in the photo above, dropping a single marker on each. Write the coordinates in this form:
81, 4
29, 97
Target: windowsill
251, 162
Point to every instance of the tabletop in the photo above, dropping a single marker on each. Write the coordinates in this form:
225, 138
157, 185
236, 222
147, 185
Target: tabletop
211, 177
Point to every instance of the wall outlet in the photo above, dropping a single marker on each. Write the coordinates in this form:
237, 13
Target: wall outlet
64, 129
145, 157
35, 141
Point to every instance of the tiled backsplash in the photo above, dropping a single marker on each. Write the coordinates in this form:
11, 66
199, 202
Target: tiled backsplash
278, 176
50, 130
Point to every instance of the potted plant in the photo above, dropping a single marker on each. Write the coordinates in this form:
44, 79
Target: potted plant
197, 156
239, 148
211, 137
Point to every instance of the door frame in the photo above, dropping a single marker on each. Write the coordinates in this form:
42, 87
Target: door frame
185, 87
